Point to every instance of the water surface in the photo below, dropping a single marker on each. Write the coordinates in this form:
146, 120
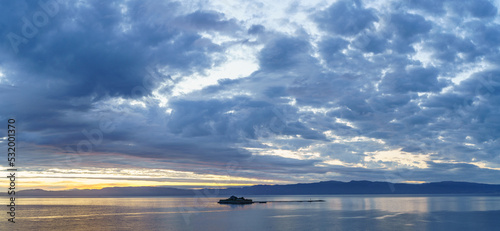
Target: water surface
361, 212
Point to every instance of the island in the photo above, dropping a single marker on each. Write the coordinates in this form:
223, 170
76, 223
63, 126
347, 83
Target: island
236, 200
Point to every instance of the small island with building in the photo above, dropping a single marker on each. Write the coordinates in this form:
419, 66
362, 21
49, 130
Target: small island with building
242, 200
236, 200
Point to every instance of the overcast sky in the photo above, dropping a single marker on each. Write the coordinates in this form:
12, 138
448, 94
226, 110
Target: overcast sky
218, 93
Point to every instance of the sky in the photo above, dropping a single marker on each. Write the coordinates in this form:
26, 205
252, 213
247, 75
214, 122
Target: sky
201, 93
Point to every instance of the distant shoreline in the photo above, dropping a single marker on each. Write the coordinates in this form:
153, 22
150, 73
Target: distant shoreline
351, 188
283, 195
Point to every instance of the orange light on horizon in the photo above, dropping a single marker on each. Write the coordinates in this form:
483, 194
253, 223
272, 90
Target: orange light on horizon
98, 178
56, 184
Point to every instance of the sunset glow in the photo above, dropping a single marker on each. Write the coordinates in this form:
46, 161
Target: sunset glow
216, 94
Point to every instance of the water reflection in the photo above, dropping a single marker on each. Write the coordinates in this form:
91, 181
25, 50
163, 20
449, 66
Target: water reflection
185, 213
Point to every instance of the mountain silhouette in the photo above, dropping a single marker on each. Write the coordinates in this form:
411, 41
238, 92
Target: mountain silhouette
323, 187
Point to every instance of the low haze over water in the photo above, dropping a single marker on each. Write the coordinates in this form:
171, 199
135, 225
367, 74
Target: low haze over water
359, 212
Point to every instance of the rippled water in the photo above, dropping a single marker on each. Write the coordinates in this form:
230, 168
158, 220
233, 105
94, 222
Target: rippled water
363, 212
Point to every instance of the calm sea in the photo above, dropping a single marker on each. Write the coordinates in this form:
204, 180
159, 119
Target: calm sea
362, 212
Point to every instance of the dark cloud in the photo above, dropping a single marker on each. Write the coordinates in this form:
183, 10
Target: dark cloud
478, 9
284, 53
346, 18
207, 20
256, 29
331, 49
371, 43
93, 49
435, 7
448, 47
413, 80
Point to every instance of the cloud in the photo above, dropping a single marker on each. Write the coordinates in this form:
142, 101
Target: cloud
284, 53
408, 29
208, 20
331, 49
478, 9
436, 7
256, 29
333, 85
413, 80
98, 51
346, 18
371, 43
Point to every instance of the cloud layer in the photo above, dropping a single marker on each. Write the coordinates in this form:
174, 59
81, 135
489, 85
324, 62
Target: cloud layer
328, 90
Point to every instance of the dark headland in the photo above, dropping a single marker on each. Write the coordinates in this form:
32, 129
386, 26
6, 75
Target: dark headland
319, 188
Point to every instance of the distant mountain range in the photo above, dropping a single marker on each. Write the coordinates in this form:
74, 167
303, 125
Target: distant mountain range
324, 187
